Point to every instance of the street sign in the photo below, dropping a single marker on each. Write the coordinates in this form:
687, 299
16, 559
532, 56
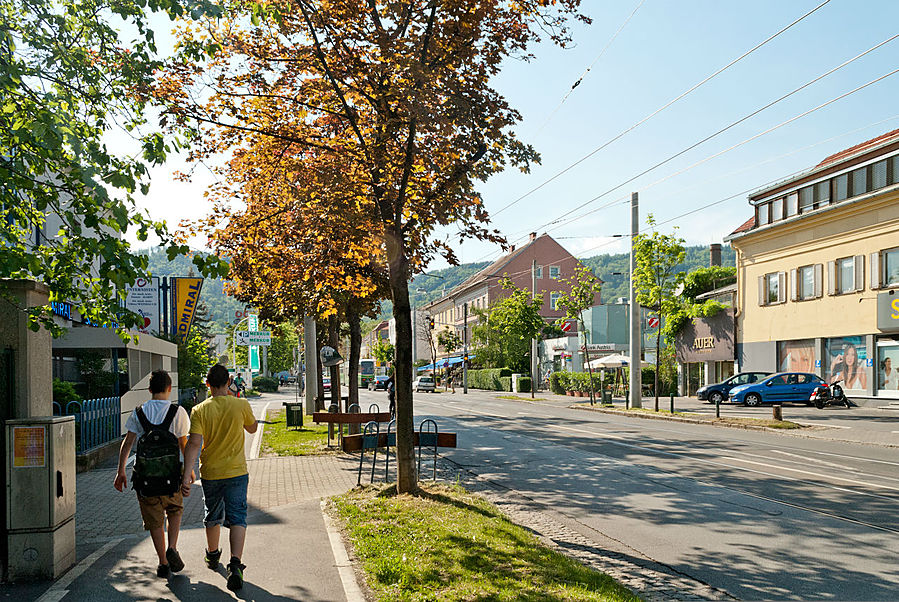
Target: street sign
262, 338
653, 322
566, 326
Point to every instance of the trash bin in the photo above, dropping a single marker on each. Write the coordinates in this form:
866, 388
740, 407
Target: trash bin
294, 414
606, 396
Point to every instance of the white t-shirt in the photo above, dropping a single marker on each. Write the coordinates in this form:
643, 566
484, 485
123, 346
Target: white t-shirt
155, 410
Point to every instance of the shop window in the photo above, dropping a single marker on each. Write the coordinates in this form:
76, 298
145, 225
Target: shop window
822, 193
762, 214
845, 359
879, 175
887, 368
792, 204
859, 181
777, 209
806, 199
841, 188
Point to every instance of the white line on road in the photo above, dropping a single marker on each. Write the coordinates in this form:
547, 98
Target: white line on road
342, 561
808, 459
59, 589
829, 426
257, 439
814, 474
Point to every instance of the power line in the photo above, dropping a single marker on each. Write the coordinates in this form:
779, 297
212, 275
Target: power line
584, 74
659, 110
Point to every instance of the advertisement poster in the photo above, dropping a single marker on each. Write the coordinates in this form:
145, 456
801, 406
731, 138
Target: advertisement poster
143, 299
846, 359
888, 368
797, 356
29, 449
187, 295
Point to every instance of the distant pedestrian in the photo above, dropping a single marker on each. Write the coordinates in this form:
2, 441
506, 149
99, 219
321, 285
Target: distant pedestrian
217, 428
160, 428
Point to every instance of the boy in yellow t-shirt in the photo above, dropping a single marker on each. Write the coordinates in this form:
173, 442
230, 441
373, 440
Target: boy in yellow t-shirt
217, 428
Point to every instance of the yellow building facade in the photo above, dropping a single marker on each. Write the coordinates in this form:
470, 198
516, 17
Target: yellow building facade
818, 267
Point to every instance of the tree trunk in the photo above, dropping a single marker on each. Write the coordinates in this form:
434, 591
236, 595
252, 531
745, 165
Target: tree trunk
354, 321
334, 341
319, 372
589, 368
407, 479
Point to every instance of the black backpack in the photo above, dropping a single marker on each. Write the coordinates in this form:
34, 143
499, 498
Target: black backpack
157, 464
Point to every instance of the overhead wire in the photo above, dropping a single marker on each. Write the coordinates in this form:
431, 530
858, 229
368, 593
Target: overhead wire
662, 108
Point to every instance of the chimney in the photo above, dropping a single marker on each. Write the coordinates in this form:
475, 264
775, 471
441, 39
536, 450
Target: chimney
533, 236
715, 254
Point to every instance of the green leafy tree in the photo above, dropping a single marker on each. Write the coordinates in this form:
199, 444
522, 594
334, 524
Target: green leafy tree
656, 278
66, 78
502, 337
285, 340
449, 340
383, 351
583, 287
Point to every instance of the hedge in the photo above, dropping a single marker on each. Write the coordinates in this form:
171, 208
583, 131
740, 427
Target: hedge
490, 379
265, 384
505, 383
524, 384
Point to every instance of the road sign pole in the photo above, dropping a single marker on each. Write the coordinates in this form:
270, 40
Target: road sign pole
635, 385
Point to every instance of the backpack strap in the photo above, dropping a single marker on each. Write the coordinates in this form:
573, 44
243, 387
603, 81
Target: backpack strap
169, 417
144, 422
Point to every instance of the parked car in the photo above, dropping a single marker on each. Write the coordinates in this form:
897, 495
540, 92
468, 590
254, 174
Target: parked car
424, 383
379, 382
721, 391
795, 387
326, 385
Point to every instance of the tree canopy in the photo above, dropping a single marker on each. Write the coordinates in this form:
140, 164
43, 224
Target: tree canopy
502, 336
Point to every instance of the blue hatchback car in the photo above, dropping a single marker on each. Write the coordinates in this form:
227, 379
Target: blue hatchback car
719, 392
794, 387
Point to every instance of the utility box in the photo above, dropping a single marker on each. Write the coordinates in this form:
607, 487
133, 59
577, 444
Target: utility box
40, 502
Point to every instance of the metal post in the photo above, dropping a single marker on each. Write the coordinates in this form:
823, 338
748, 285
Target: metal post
465, 347
672, 403
534, 340
311, 363
717, 406
636, 390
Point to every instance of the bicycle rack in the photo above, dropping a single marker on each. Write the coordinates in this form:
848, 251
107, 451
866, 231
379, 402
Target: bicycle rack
333, 409
353, 429
370, 437
427, 438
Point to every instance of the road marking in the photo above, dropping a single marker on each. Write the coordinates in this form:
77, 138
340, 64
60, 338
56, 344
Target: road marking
342, 561
814, 474
808, 459
828, 426
59, 589
257, 438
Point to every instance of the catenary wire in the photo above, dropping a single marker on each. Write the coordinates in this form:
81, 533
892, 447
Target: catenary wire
660, 109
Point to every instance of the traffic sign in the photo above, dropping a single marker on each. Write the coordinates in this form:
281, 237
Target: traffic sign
653, 322
262, 338
566, 326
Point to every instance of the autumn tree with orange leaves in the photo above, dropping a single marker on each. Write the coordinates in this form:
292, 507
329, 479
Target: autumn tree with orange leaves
397, 93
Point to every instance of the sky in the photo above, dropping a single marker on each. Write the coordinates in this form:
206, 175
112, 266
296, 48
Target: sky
665, 49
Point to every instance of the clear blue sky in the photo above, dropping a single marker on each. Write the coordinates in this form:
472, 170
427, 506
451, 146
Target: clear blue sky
667, 47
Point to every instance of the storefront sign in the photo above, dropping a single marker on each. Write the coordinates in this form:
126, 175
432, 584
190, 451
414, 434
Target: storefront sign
888, 311
605, 347
143, 299
187, 295
29, 448
706, 339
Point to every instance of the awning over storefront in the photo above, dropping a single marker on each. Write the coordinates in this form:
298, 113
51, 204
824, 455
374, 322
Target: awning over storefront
444, 363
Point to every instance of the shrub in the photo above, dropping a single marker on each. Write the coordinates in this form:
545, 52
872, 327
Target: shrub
64, 392
524, 384
489, 378
265, 384
505, 383
557, 381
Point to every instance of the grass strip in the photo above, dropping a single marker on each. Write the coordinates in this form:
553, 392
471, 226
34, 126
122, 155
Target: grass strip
309, 440
447, 544
758, 422
520, 398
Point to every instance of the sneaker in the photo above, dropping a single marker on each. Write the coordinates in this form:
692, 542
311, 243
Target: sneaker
235, 574
162, 571
174, 558
212, 559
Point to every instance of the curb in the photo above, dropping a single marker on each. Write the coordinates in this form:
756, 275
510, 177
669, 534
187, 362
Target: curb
342, 560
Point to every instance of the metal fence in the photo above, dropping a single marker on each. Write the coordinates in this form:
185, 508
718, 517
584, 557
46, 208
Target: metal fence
97, 421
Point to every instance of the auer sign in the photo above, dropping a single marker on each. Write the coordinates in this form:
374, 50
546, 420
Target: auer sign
706, 339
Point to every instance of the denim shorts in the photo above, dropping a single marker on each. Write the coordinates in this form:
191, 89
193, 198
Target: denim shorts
225, 501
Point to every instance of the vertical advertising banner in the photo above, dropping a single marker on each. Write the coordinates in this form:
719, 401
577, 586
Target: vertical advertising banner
253, 350
846, 359
797, 356
143, 299
186, 296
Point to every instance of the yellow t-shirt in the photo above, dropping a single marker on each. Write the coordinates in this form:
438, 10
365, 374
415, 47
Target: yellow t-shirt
221, 421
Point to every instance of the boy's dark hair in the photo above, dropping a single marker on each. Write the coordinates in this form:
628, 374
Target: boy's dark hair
159, 382
218, 376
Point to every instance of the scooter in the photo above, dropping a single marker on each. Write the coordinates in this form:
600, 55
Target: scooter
825, 395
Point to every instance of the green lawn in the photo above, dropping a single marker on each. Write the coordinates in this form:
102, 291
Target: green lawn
447, 544
278, 440
761, 422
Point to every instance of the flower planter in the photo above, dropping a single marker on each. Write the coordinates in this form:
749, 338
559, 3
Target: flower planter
569, 393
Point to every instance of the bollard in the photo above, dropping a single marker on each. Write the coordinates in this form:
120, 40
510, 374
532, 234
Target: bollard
778, 414
717, 406
672, 403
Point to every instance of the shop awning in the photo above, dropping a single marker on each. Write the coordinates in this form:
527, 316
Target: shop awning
444, 363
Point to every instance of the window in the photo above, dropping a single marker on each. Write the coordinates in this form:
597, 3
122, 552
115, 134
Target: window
806, 199
762, 214
879, 175
841, 187
894, 173
554, 272
807, 282
554, 300
777, 209
846, 275
792, 204
859, 181
822, 193
890, 260
780, 381
539, 271
771, 288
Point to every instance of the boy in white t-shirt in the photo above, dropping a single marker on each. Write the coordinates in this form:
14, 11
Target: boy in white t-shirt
155, 509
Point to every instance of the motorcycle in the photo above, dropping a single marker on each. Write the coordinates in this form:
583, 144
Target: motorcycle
825, 395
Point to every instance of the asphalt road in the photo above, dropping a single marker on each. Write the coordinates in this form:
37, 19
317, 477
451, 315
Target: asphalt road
759, 515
